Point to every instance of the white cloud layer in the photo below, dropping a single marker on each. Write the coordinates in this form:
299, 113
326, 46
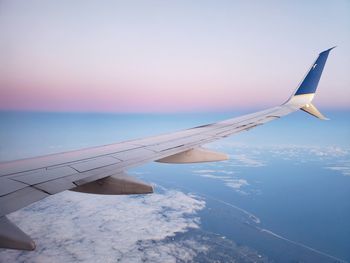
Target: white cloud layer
289, 150
244, 160
74, 227
342, 166
230, 181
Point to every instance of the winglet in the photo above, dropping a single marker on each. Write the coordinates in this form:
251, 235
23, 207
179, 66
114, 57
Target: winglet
305, 93
310, 82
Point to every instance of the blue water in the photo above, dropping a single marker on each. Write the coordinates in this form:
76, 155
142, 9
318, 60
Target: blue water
290, 187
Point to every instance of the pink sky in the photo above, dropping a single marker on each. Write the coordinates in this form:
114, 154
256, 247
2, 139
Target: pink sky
123, 57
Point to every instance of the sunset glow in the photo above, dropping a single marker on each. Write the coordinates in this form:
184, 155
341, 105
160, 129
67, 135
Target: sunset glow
126, 56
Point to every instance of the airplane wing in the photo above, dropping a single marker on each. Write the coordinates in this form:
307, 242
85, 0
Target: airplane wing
101, 170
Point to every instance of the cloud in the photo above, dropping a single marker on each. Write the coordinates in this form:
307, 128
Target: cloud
71, 227
287, 150
204, 171
344, 170
236, 183
212, 176
258, 156
214, 171
342, 166
244, 160
313, 152
232, 182
331, 151
335, 157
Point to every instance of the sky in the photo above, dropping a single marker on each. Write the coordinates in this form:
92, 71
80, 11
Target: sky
168, 56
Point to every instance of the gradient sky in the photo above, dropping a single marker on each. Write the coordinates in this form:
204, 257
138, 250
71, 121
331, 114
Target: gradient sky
155, 56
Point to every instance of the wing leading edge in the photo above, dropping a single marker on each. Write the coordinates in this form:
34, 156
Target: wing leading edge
100, 170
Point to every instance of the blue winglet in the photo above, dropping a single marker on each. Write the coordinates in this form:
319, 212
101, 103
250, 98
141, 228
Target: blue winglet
310, 82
